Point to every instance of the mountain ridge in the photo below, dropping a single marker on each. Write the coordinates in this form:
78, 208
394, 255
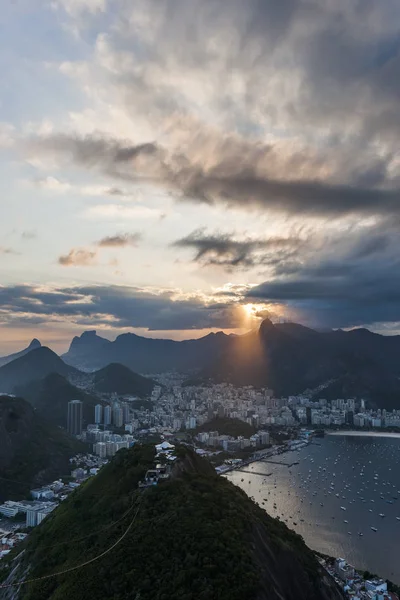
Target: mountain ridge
34, 344
36, 364
200, 538
286, 357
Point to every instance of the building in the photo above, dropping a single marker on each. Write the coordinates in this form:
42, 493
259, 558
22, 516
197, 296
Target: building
74, 417
107, 415
44, 492
38, 512
98, 414
118, 416
125, 412
344, 570
376, 585
100, 449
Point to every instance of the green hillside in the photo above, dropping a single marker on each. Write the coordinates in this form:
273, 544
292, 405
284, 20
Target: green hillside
32, 450
50, 396
195, 537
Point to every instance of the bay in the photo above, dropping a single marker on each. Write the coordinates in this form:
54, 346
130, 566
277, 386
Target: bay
357, 472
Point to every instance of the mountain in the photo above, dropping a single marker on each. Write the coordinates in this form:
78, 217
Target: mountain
290, 359
50, 397
82, 348
32, 366
195, 537
32, 346
145, 355
121, 380
32, 451
287, 357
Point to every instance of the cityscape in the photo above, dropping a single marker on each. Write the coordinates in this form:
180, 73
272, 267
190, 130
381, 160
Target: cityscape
199, 300
265, 427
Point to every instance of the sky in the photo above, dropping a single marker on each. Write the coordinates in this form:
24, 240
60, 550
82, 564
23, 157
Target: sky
175, 167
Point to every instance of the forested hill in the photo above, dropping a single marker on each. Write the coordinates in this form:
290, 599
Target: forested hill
33, 451
193, 537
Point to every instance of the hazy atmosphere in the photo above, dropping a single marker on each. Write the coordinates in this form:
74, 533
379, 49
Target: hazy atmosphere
178, 167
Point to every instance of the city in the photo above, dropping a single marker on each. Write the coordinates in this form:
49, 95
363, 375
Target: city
264, 426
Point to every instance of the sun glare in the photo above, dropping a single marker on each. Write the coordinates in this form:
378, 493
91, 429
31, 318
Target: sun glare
250, 309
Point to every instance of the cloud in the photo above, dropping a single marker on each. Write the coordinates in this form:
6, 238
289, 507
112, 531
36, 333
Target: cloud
225, 251
350, 282
311, 95
75, 8
115, 306
232, 172
87, 257
120, 212
7, 132
78, 257
120, 240
53, 184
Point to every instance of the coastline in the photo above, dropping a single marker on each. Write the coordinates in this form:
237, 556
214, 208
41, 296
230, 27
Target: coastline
358, 433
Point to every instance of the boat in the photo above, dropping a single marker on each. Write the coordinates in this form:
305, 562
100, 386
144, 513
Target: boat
398, 518
343, 507
381, 515
345, 521
360, 534
374, 529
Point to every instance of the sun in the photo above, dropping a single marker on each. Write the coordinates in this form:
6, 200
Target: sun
250, 309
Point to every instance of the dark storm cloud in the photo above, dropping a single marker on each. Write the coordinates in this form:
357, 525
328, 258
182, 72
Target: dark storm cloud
114, 306
226, 251
349, 283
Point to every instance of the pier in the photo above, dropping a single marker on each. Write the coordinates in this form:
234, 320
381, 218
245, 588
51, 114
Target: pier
254, 472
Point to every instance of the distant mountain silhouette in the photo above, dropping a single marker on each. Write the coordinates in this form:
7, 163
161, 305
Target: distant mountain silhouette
32, 366
32, 450
83, 347
290, 359
121, 380
145, 355
32, 346
287, 357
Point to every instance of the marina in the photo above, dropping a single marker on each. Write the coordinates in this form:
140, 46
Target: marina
344, 476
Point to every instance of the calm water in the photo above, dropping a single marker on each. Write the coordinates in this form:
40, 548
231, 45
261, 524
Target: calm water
364, 471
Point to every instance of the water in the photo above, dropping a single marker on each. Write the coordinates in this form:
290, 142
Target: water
363, 471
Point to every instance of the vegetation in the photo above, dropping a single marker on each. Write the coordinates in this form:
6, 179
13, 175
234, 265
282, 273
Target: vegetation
32, 450
50, 396
227, 426
195, 537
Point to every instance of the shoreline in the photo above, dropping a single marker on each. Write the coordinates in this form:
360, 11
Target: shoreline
358, 433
